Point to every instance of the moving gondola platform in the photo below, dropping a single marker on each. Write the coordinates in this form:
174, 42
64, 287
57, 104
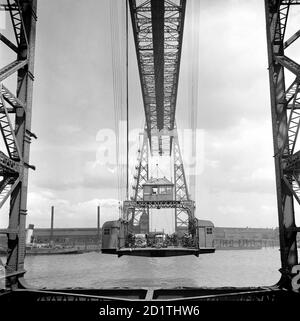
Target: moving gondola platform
164, 252
116, 240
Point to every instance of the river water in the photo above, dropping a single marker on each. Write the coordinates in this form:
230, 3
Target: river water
95, 270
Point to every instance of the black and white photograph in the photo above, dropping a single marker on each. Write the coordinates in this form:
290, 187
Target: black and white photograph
149, 158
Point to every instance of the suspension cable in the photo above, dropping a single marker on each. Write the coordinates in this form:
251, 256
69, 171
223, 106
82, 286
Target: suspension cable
194, 79
127, 108
118, 86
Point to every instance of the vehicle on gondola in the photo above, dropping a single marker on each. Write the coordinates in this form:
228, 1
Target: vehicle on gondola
140, 240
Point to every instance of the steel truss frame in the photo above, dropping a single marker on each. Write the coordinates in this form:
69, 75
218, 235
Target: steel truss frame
140, 178
158, 31
181, 188
186, 205
285, 105
183, 205
285, 102
17, 135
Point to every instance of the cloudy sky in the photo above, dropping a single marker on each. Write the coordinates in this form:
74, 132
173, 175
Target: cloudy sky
76, 100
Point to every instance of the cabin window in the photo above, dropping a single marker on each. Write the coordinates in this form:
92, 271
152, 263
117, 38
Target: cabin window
209, 230
162, 190
106, 231
154, 190
168, 190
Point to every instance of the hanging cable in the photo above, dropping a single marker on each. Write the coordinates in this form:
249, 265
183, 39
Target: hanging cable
127, 108
194, 87
118, 84
112, 34
124, 94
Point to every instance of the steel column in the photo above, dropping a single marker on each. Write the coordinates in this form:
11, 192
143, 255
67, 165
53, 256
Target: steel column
17, 136
140, 178
180, 184
285, 125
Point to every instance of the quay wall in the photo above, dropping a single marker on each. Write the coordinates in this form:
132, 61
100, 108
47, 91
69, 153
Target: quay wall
223, 236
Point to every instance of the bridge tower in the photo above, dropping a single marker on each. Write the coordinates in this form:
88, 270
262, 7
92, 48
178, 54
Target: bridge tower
142, 176
15, 126
181, 188
285, 109
158, 32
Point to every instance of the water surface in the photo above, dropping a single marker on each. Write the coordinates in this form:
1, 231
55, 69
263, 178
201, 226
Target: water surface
96, 270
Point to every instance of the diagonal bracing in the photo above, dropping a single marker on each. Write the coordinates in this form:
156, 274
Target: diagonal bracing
285, 104
158, 31
15, 128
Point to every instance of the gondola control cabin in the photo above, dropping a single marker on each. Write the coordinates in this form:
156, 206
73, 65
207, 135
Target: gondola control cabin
158, 189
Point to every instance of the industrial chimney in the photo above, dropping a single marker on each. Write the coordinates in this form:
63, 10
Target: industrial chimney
29, 234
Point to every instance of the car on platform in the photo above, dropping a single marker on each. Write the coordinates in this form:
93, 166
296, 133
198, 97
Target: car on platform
160, 240
140, 240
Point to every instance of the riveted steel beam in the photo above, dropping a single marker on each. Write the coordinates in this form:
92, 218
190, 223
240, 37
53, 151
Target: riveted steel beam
17, 134
182, 217
158, 31
140, 178
285, 126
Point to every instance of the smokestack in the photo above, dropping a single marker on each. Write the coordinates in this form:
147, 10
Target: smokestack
52, 223
98, 222
29, 234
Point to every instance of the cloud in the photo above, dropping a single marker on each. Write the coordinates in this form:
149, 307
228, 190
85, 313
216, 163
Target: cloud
237, 185
232, 76
96, 175
241, 158
74, 99
68, 214
99, 179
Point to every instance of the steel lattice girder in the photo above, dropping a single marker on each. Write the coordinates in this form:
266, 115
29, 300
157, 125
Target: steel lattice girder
183, 204
184, 209
285, 122
181, 189
17, 135
158, 31
140, 178
182, 200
